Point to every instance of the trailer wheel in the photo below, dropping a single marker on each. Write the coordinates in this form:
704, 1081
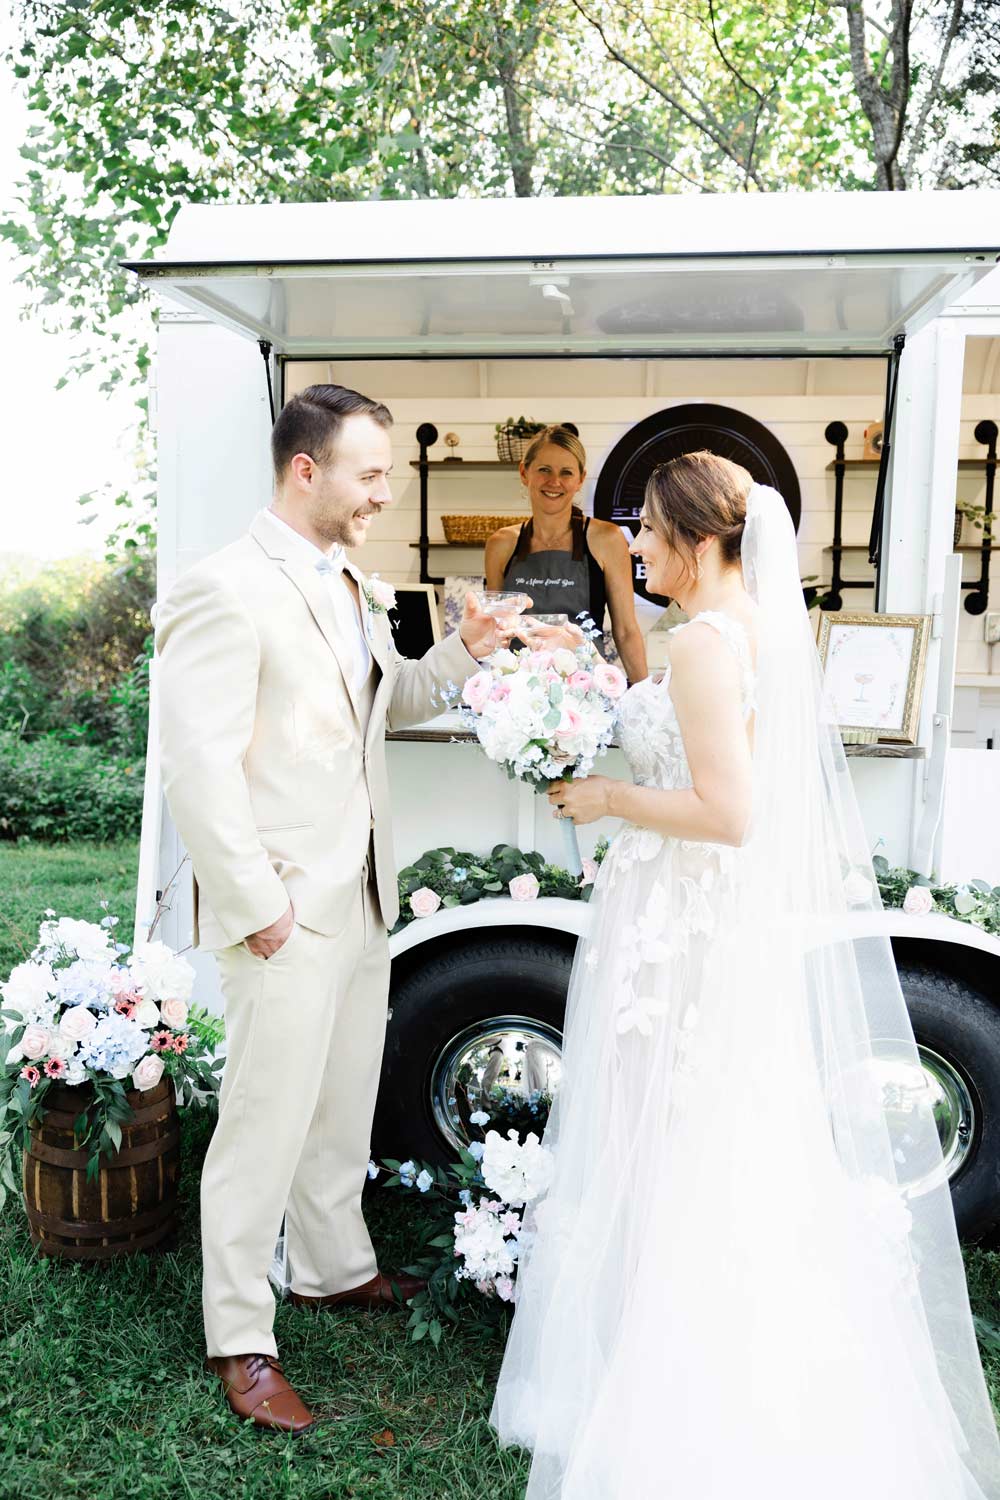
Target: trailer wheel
484, 1012
958, 1034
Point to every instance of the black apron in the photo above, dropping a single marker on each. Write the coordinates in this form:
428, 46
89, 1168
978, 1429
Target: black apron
568, 583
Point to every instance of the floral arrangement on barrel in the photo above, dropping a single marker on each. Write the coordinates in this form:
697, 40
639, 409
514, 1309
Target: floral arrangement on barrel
84, 1011
477, 1229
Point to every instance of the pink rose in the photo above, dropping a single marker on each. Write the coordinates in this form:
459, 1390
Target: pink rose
76, 1022
34, 1042
382, 593
582, 681
477, 690
174, 1013
523, 888
589, 872
570, 724
425, 902
609, 680
147, 1072
500, 693
918, 902
540, 660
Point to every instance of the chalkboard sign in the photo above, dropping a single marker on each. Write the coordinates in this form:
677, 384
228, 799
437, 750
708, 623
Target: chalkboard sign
414, 621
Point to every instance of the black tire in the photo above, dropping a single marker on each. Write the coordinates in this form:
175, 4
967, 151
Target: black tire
963, 1027
455, 988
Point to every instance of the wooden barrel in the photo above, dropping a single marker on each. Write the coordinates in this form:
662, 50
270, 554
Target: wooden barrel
130, 1206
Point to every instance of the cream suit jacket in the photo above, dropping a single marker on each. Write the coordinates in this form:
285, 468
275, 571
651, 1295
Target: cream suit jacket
275, 786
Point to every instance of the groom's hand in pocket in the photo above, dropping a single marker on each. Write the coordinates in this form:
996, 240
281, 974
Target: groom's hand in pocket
266, 942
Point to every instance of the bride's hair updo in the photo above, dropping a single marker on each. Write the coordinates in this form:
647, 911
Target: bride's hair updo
697, 495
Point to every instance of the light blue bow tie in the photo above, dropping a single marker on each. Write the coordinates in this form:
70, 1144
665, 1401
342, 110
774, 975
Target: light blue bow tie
335, 563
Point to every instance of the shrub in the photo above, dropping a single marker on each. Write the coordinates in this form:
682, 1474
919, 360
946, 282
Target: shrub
71, 635
54, 791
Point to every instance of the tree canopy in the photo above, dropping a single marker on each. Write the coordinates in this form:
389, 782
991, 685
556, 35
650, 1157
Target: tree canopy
142, 105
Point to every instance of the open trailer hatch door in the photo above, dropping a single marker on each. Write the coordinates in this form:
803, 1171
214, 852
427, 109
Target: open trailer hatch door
817, 274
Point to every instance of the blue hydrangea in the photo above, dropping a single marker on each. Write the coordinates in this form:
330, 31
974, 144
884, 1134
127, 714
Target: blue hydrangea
476, 1149
114, 1042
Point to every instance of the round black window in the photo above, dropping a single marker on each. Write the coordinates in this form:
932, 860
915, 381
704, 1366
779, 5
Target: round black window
666, 434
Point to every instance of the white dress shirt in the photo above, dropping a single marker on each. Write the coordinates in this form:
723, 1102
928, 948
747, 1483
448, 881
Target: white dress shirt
331, 565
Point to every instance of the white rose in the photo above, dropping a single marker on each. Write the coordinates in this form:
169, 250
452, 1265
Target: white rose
504, 660
918, 901
425, 902
965, 901
89, 941
28, 989
523, 888
34, 1043
147, 1014
564, 662
76, 1023
382, 593
148, 1072
174, 1013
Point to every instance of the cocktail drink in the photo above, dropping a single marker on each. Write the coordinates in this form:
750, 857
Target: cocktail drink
864, 678
504, 605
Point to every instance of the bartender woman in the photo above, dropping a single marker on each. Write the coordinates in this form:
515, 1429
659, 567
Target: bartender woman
566, 561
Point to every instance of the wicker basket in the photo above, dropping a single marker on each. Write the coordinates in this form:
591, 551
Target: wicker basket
512, 446
476, 529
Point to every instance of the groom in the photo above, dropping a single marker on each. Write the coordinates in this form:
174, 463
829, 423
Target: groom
277, 677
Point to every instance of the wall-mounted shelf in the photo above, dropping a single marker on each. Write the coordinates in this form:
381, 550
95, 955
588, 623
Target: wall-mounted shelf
977, 597
863, 547
456, 465
464, 737
872, 463
886, 752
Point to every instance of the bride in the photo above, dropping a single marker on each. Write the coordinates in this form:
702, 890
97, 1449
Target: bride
745, 1280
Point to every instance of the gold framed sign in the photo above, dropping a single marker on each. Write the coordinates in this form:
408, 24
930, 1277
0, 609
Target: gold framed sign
873, 671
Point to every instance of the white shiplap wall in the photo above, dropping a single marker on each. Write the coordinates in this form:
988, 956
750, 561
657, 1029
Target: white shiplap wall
795, 398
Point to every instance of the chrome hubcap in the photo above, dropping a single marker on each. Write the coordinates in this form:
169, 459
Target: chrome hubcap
520, 1056
513, 1053
954, 1112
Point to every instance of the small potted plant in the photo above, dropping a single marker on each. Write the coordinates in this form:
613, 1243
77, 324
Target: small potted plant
514, 436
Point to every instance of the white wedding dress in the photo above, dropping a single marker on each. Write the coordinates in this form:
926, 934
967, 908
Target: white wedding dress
718, 1300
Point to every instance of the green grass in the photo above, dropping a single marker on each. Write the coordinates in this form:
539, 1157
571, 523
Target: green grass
72, 879
103, 1395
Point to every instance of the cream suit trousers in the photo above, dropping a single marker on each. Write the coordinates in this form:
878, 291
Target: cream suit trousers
305, 1032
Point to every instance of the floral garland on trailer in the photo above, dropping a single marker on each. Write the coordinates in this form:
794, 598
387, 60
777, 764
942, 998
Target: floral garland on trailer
83, 1010
447, 877
975, 901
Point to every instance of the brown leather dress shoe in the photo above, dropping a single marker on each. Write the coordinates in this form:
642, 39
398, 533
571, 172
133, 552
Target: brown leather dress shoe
258, 1392
375, 1293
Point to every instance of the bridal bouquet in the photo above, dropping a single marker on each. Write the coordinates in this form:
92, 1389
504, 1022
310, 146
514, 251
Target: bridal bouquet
544, 716
83, 1010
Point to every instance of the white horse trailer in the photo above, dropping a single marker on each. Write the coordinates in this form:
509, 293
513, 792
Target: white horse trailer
773, 328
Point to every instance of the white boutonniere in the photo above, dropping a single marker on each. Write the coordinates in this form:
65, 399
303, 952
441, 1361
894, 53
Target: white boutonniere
379, 596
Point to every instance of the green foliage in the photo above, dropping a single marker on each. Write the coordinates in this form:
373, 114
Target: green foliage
75, 642
976, 902
53, 791
461, 879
